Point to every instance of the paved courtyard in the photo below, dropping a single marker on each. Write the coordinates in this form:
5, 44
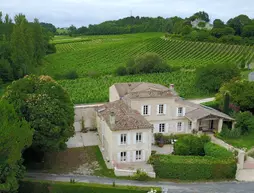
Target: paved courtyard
166, 149
83, 139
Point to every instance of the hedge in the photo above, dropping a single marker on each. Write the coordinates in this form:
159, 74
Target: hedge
193, 167
28, 186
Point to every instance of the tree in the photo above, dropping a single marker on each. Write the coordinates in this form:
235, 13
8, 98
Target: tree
48, 109
238, 23
217, 23
241, 94
226, 103
212, 76
200, 15
245, 122
248, 31
15, 136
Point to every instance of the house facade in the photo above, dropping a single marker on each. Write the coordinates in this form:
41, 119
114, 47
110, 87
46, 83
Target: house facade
138, 110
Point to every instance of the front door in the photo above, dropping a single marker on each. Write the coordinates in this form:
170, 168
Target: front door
211, 125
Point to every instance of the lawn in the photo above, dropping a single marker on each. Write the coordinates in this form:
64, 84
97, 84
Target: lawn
83, 161
244, 141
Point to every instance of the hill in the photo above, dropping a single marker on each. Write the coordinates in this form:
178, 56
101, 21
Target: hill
95, 59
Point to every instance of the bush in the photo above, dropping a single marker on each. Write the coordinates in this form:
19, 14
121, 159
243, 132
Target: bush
147, 63
245, 122
213, 104
140, 176
71, 75
194, 167
63, 187
230, 133
217, 151
166, 139
191, 145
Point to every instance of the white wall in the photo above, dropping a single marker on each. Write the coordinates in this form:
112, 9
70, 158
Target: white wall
113, 94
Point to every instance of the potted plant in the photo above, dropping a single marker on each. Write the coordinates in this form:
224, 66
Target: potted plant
161, 142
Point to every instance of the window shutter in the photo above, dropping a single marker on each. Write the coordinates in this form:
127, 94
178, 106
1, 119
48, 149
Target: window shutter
134, 156
183, 111
166, 127
134, 138
128, 139
149, 109
155, 130
142, 110
183, 129
143, 137
158, 109
118, 157
144, 155
165, 109
119, 139
128, 156
177, 111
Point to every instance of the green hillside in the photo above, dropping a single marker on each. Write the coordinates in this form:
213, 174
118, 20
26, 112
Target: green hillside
95, 59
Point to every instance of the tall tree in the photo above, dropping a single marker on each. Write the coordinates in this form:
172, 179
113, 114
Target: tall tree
15, 136
48, 109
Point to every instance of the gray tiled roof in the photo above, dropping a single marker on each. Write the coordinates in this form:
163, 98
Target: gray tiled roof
143, 90
200, 111
125, 117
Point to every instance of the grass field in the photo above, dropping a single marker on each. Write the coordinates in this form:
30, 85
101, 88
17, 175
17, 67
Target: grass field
95, 59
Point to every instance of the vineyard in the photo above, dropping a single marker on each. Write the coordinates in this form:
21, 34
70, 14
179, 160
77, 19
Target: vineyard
105, 53
92, 90
101, 55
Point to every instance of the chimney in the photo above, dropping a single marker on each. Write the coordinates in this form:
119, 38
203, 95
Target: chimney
112, 118
172, 87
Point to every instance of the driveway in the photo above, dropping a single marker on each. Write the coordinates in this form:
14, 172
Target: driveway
83, 139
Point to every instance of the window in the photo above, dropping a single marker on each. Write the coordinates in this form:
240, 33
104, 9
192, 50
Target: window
180, 111
123, 139
138, 137
179, 126
138, 155
162, 127
123, 157
161, 109
190, 124
145, 110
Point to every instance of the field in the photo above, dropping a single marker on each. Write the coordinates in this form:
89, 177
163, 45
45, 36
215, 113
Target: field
95, 59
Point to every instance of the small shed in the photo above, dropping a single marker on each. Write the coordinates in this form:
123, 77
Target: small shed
251, 76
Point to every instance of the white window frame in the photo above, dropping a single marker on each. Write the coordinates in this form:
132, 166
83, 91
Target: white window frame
145, 110
179, 126
123, 139
139, 155
138, 137
162, 127
190, 125
123, 156
161, 109
180, 111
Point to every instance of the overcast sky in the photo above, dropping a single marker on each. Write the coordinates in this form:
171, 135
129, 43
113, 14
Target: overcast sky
63, 13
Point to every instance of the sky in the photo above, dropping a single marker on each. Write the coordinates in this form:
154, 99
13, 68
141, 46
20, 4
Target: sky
63, 13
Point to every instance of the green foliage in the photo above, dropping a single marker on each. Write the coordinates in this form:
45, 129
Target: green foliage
213, 104
245, 122
191, 145
200, 15
57, 187
226, 103
241, 94
201, 24
140, 176
217, 151
15, 136
71, 75
48, 109
194, 167
230, 133
147, 63
213, 76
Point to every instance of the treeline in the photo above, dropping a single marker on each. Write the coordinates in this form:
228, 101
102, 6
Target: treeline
237, 30
23, 45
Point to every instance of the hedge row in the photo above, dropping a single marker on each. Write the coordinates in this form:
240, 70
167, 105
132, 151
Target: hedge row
193, 167
217, 151
64, 187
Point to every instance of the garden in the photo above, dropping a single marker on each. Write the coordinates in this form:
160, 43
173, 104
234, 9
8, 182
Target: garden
195, 158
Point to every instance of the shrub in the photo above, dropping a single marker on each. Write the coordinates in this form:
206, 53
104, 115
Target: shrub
245, 122
121, 71
212, 104
217, 151
71, 75
191, 145
140, 176
230, 133
194, 167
